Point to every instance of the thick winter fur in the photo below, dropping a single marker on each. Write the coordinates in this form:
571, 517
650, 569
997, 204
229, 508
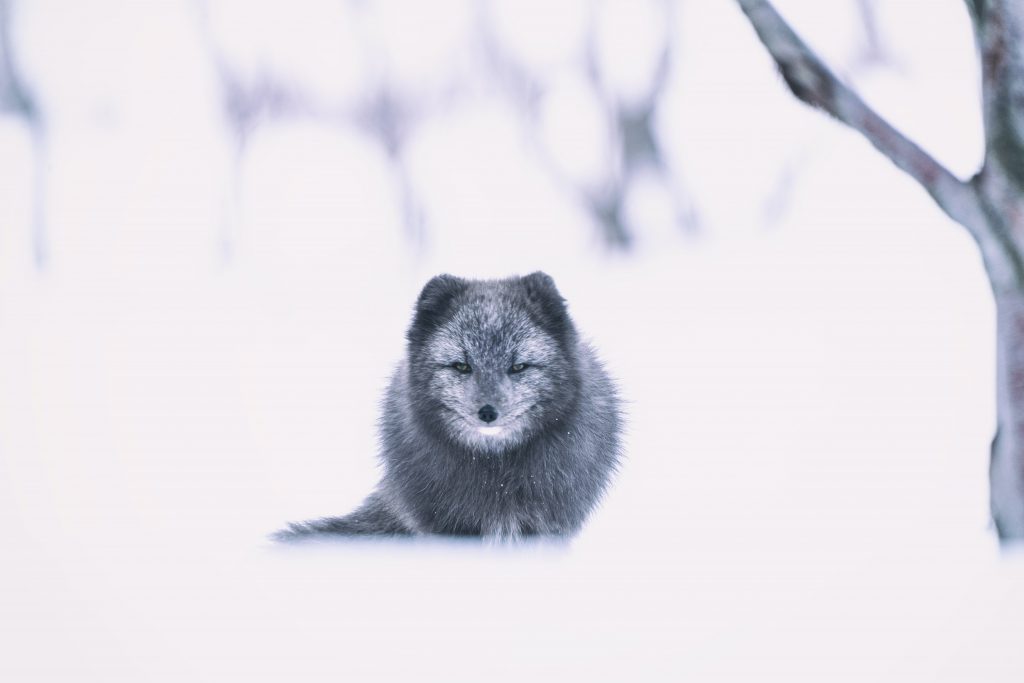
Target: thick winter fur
500, 422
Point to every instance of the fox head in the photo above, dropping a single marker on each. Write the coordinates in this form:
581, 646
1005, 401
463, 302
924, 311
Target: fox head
492, 363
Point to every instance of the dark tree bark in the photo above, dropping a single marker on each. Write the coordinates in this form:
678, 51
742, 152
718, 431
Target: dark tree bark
989, 205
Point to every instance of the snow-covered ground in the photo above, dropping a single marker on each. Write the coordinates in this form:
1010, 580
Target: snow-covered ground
809, 376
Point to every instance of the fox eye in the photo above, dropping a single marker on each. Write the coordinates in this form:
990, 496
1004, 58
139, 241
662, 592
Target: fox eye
518, 367
462, 367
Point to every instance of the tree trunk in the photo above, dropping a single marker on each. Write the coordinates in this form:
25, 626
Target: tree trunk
1007, 467
990, 205
999, 32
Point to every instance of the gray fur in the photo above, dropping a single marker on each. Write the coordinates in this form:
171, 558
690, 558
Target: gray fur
446, 471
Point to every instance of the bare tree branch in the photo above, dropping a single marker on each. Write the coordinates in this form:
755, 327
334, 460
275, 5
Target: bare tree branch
812, 81
990, 206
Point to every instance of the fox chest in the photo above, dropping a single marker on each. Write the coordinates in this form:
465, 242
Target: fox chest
491, 504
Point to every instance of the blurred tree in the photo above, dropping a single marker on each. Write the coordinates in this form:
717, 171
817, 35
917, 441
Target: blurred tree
591, 103
16, 99
990, 205
633, 102
13, 96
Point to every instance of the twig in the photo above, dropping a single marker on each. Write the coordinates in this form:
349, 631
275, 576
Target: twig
812, 81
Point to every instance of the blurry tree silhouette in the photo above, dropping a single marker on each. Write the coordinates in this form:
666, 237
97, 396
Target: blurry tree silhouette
990, 205
15, 98
383, 113
389, 115
389, 112
873, 49
634, 148
639, 148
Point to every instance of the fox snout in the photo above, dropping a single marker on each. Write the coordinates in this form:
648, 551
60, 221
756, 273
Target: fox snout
488, 413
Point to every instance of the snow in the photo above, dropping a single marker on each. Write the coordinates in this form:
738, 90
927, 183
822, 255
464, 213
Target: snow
545, 38
576, 131
809, 379
421, 48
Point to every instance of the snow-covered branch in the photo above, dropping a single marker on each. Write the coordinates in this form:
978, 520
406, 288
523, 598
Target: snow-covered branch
813, 82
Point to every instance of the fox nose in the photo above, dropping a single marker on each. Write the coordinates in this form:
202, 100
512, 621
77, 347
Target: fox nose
488, 413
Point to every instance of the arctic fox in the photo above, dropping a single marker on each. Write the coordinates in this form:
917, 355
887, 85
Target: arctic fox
499, 422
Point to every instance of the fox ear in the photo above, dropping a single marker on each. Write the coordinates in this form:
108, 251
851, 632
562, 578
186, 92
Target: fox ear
433, 304
542, 293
